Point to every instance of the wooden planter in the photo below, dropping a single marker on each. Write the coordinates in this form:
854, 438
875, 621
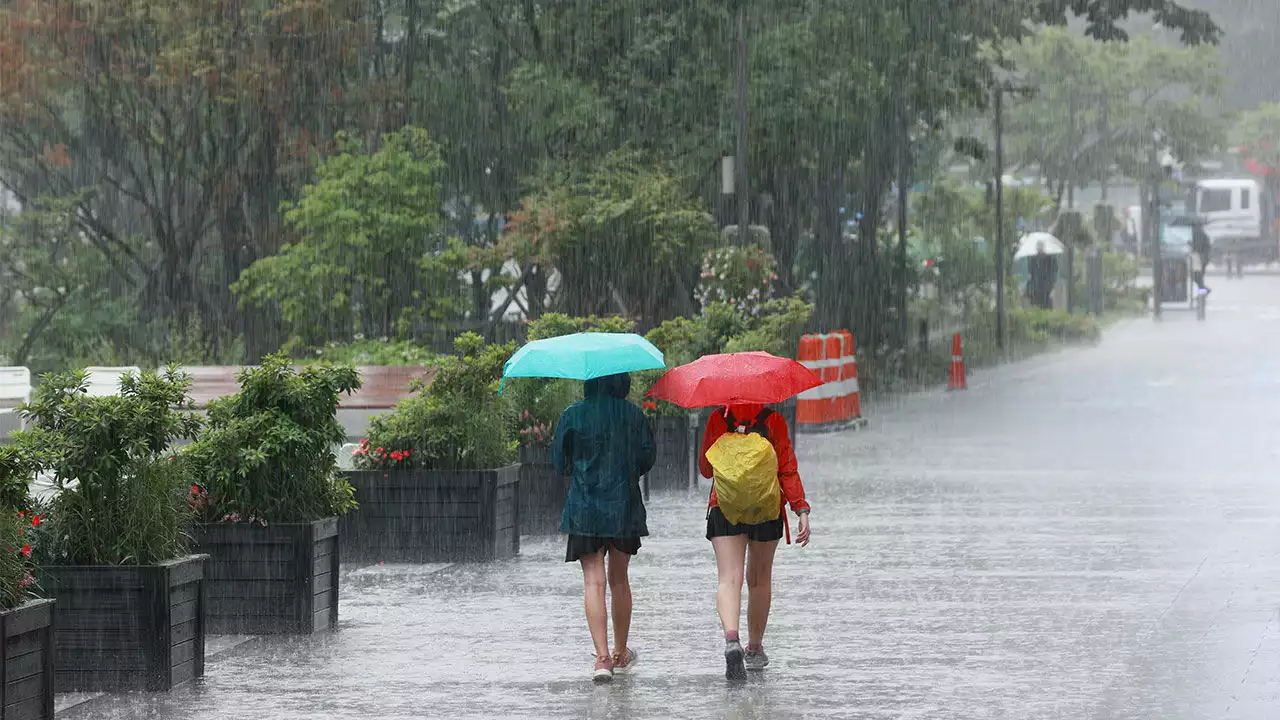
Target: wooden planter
127, 627
677, 443
542, 492
26, 658
433, 515
279, 579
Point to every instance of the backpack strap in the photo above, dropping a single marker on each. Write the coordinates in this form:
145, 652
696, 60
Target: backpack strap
759, 427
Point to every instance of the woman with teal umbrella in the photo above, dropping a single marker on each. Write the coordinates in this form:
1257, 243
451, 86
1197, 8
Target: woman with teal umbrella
605, 443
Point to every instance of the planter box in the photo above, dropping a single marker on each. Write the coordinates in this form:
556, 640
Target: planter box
426, 516
127, 627
279, 579
678, 441
26, 658
542, 492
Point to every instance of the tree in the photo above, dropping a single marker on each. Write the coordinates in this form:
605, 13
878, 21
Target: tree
177, 127
372, 259
1096, 104
625, 237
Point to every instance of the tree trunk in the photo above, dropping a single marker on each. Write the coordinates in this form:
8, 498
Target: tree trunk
834, 279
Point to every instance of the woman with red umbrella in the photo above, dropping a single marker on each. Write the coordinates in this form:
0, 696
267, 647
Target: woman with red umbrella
746, 449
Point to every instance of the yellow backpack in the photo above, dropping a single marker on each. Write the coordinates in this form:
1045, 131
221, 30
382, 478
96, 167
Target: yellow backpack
746, 473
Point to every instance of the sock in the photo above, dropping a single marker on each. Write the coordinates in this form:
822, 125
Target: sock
731, 636
755, 647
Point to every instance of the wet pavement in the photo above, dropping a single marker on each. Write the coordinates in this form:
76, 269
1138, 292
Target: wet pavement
1091, 534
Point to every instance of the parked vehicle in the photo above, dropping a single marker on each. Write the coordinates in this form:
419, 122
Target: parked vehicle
1238, 219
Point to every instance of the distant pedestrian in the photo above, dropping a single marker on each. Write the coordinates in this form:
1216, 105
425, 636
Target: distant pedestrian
1200, 248
604, 442
747, 450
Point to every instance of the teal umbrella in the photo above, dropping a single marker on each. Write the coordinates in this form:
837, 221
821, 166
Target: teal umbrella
583, 356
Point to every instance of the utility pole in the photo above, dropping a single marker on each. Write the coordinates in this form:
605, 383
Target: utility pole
1157, 269
740, 161
1000, 217
903, 198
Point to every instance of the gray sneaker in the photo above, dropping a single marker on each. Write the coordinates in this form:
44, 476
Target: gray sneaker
733, 667
756, 660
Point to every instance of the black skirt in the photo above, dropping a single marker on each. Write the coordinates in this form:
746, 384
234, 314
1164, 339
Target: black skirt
719, 526
581, 546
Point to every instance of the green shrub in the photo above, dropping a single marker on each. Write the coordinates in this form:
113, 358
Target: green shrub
267, 455
375, 352
122, 494
16, 524
551, 325
459, 422
776, 329
16, 580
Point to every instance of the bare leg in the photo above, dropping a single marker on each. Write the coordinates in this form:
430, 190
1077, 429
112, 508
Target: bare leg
759, 588
593, 582
731, 554
620, 589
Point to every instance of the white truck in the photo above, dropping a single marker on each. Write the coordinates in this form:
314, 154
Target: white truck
1238, 216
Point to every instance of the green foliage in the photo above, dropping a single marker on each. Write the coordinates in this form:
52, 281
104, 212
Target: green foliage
267, 454
16, 473
17, 468
1096, 104
121, 499
373, 352
626, 237
372, 259
527, 99
776, 329
16, 546
1036, 326
459, 422
551, 325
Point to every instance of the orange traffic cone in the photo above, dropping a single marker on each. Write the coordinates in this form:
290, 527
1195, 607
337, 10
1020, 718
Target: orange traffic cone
957, 380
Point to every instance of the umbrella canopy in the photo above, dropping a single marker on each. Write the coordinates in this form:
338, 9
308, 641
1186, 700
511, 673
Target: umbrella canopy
584, 356
1030, 245
748, 378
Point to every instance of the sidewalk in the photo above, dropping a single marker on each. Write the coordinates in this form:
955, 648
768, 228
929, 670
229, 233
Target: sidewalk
1035, 547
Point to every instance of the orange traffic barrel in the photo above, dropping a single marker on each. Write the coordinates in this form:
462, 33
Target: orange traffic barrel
809, 404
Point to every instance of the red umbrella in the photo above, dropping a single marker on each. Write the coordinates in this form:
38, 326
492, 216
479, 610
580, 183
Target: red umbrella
750, 378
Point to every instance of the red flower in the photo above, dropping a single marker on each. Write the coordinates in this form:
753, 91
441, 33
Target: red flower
26, 551
35, 521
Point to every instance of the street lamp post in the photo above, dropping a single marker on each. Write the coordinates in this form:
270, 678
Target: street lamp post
1157, 269
740, 160
1000, 217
